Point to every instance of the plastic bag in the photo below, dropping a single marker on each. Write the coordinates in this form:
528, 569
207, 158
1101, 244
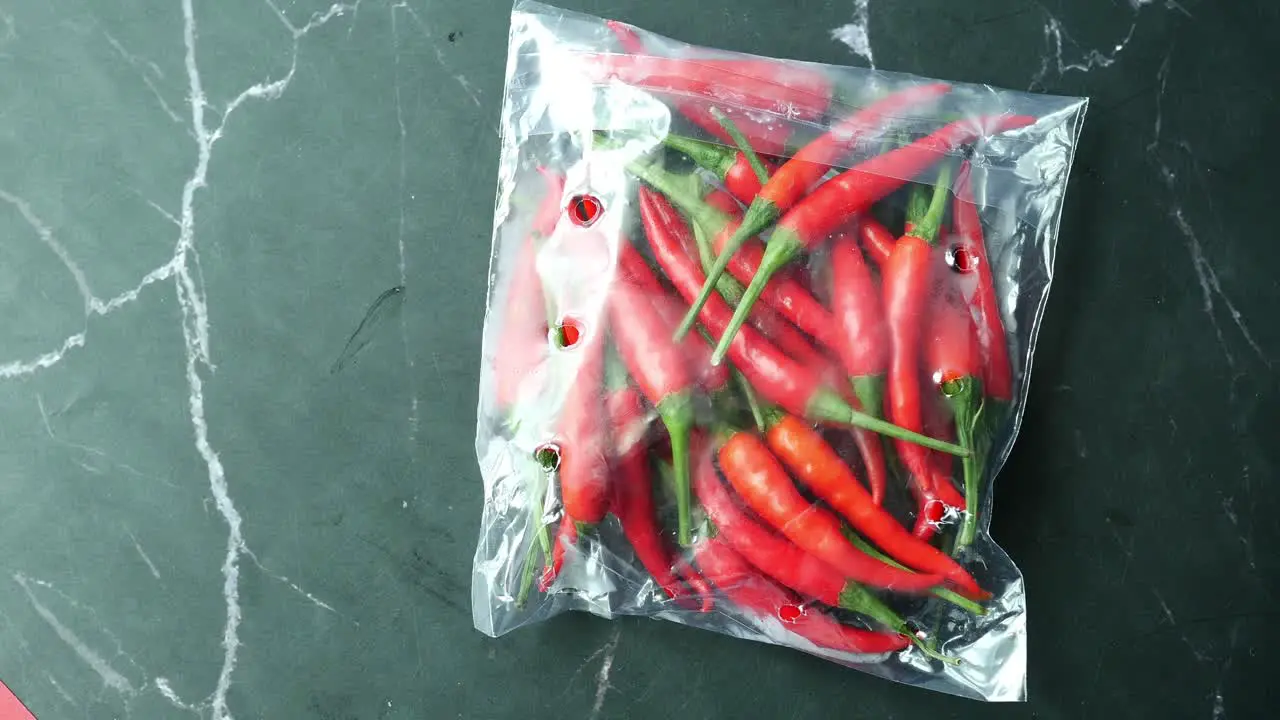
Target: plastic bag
617, 178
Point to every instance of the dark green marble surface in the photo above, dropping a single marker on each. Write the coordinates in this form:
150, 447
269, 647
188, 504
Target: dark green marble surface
219, 499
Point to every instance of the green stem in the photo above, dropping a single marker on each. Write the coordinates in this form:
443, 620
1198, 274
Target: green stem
962, 395
743, 144
917, 204
676, 411
716, 158
929, 225
753, 402
858, 599
828, 406
952, 597
869, 389
685, 191
777, 254
526, 574
537, 500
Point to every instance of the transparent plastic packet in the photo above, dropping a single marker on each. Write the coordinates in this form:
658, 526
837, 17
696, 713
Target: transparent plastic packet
914, 251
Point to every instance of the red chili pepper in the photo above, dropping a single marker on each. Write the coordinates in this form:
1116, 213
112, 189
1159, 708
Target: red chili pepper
633, 493
730, 166
584, 463
785, 295
877, 241
780, 379
816, 465
762, 482
522, 344
778, 558
644, 342
566, 537
660, 217
997, 375
786, 186
696, 349
823, 211
751, 591
953, 357
784, 90
937, 423
907, 278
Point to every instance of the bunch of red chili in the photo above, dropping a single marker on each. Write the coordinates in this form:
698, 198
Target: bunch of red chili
898, 346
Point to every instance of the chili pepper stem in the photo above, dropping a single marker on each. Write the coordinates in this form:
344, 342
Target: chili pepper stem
677, 414
869, 389
963, 395
753, 402
743, 144
780, 251
950, 596
703, 154
931, 223
684, 191
826, 405
526, 575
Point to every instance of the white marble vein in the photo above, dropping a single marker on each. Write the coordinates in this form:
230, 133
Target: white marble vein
1063, 54
414, 420
148, 71
857, 34
111, 677
1211, 289
606, 668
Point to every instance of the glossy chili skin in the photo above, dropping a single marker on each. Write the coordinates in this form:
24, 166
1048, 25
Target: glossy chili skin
906, 280
697, 352
953, 358
695, 86
997, 375
644, 341
633, 492
777, 377
877, 242
799, 174
765, 486
522, 343
831, 205
584, 452
815, 464
749, 590
729, 165
786, 295
858, 308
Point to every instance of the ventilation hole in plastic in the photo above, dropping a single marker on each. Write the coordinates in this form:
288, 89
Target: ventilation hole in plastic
548, 456
961, 260
567, 333
584, 210
789, 613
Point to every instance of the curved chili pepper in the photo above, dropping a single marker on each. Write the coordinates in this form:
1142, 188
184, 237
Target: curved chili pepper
584, 462
762, 482
566, 537
877, 241
907, 278
782, 89
696, 349
644, 342
633, 493
801, 172
815, 464
522, 344
954, 359
730, 166
780, 379
787, 295
751, 591
778, 558
937, 423
819, 214
997, 375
